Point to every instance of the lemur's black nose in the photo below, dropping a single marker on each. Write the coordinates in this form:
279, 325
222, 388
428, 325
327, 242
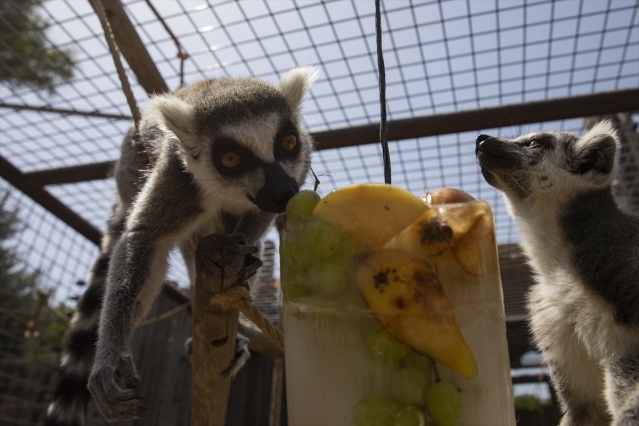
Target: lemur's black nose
482, 138
479, 140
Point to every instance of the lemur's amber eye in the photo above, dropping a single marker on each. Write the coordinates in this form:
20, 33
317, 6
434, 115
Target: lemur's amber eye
230, 159
288, 143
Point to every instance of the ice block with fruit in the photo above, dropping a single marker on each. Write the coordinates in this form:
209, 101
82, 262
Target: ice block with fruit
393, 310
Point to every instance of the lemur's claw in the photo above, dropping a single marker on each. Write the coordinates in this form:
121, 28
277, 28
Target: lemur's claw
237, 243
251, 265
242, 355
117, 403
188, 347
244, 249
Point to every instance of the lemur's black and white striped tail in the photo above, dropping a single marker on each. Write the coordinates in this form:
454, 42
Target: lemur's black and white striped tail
71, 395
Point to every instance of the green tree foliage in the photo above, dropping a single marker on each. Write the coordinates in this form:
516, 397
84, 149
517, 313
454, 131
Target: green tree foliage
17, 286
25, 56
530, 403
18, 299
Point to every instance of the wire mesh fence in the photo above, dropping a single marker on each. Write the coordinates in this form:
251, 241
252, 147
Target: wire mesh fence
441, 58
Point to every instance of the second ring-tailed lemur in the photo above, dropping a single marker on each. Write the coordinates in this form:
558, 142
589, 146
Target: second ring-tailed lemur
584, 307
218, 156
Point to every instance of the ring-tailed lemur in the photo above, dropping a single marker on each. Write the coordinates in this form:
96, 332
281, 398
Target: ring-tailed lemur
584, 306
218, 156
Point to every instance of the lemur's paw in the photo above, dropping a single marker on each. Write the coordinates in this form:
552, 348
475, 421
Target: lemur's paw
251, 265
188, 347
116, 402
240, 358
236, 244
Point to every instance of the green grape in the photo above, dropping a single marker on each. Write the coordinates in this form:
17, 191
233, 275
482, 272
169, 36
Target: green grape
330, 277
293, 287
292, 281
295, 250
322, 238
411, 416
408, 385
375, 411
386, 346
444, 403
301, 205
420, 361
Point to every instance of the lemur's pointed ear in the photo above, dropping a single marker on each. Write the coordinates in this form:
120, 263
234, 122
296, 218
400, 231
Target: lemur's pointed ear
596, 150
179, 117
296, 83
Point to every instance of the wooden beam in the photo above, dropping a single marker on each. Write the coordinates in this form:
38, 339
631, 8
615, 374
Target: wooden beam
509, 115
132, 48
41, 196
484, 118
73, 174
532, 378
64, 111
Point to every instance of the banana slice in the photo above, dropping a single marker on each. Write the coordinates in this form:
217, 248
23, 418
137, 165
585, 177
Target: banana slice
406, 298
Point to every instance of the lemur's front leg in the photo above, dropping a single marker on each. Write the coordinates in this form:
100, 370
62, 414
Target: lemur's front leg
575, 382
137, 269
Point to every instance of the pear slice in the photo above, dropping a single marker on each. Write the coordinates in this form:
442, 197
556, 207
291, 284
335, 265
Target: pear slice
446, 196
476, 251
406, 298
370, 213
437, 229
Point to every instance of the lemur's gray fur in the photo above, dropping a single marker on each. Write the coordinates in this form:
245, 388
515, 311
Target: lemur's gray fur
218, 156
584, 307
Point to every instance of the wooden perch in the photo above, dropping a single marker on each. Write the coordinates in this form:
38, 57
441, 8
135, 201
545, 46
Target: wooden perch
222, 262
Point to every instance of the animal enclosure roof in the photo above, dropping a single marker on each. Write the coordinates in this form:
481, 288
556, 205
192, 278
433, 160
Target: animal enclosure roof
454, 69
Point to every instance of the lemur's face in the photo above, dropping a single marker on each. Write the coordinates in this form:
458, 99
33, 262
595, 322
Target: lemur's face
547, 161
522, 165
243, 140
263, 160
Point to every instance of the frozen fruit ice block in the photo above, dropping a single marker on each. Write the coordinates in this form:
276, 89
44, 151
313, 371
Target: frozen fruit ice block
393, 310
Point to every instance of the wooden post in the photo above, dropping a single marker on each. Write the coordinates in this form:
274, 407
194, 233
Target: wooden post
220, 262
